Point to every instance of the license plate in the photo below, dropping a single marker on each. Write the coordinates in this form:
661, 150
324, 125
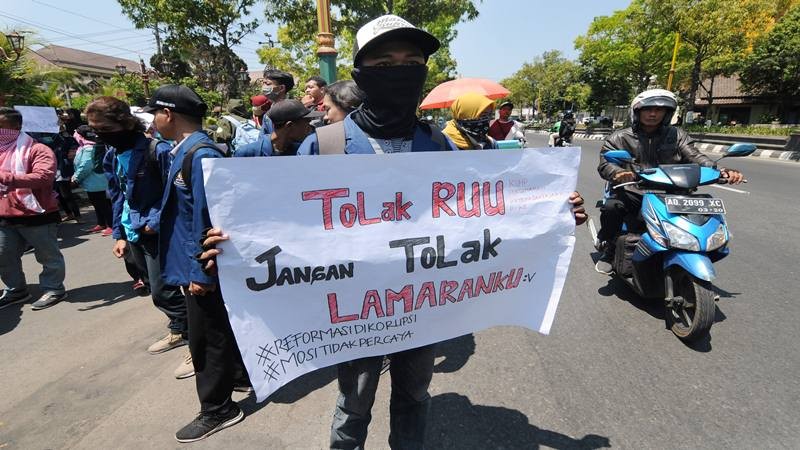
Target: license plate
694, 205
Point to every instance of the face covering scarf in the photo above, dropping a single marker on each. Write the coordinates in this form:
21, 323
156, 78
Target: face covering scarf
8, 139
392, 97
472, 113
15, 158
120, 140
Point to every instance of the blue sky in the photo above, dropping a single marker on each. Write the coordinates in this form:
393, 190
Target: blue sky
507, 33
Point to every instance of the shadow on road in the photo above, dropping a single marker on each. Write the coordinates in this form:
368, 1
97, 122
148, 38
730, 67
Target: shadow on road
70, 233
106, 293
618, 288
457, 423
304, 385
10, 317
456, 353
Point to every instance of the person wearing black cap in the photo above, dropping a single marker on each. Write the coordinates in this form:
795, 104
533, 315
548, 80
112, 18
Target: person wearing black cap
179, 112
291, 122
505, 128
276, 86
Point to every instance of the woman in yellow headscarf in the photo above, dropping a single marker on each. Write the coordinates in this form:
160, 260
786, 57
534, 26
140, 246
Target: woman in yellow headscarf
471, 116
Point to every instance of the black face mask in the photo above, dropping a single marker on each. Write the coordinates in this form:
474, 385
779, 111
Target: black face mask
393, 94
120, 140
477, 128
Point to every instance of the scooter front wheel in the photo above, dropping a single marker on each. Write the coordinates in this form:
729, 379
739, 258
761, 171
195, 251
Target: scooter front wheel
691, 316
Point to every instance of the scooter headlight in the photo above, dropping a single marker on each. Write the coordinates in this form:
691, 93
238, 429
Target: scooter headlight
679, 238
657, 235
718, 239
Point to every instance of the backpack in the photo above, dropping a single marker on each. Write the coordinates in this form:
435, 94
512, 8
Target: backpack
188, 158
98, 155
331, 138
244, 132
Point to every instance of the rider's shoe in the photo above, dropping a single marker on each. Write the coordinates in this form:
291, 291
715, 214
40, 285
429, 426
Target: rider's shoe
605, 265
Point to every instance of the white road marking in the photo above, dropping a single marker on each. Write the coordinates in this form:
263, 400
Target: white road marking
730, 189
593, 230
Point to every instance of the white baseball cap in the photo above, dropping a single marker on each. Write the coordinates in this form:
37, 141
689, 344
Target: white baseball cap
388, 28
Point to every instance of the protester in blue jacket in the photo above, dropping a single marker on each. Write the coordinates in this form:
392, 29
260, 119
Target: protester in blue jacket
218, 365
390, 67
135, 172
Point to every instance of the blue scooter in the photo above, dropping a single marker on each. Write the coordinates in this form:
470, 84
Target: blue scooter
667, 250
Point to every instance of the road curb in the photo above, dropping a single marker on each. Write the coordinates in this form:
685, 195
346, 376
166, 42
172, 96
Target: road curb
765, 154
702, 146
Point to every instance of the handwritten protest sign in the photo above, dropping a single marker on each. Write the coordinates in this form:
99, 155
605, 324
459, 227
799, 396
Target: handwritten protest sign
38, 119
333, 258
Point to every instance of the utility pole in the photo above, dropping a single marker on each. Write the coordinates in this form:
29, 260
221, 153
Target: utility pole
158, 41
325, 39
674, 59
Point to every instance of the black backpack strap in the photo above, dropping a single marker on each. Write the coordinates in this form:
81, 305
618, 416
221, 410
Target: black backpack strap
331, 139
188, 158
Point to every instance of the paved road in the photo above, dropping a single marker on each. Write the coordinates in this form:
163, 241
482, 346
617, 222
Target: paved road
77, 376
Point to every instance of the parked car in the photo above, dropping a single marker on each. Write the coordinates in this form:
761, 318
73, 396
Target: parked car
588, 120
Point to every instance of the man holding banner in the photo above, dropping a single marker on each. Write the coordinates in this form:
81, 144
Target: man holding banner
390, 67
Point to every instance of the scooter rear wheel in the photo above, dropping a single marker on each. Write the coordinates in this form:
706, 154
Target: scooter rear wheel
692, 319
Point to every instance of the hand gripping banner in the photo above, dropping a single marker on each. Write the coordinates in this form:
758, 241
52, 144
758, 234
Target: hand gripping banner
334, 258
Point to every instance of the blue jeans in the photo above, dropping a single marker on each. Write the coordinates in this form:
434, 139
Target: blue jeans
44, 240
411, 373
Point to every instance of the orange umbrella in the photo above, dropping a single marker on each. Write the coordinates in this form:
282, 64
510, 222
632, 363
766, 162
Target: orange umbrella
445, 94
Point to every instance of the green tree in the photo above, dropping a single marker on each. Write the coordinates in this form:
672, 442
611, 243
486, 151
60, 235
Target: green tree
551, 83
773, 68
22, 82
208, 27
297, 34
621, 53
716, 32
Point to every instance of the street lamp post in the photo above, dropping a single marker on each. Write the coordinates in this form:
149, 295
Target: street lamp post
144, 74
325, 39
244, 78
17, 42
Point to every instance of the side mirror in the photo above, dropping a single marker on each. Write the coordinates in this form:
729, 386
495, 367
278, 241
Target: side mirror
740, 150
618, 157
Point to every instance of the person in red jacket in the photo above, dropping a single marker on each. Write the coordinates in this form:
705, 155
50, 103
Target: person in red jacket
28, 214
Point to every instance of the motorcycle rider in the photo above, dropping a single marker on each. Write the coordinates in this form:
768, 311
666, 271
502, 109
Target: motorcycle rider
562, 131
652, 141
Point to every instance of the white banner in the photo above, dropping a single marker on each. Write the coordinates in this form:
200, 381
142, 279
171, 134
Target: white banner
38, 119
334, 258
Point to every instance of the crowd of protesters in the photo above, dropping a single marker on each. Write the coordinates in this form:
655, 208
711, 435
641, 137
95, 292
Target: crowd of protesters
145, 183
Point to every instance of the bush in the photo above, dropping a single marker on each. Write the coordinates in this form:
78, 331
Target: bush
743, 130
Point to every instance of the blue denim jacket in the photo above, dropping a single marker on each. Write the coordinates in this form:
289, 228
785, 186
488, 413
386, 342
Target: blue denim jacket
184, 216
262, 146
143, 188
356, 141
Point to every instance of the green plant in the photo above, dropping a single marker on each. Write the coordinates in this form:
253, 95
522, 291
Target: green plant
746, 130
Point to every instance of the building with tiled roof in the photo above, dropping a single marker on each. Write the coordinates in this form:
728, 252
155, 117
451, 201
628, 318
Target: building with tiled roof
730, 103
90, 66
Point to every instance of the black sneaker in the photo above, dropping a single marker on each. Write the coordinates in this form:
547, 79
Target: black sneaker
8, 298
207, 424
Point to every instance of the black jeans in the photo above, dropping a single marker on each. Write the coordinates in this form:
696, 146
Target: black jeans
167, 298
135, 265
217, 362
66, 199
102, 207
409, 404
613, 212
